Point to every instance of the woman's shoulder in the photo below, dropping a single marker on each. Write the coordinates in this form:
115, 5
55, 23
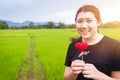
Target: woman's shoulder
110, 40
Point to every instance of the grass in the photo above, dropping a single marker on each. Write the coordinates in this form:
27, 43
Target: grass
51, 48
12, 53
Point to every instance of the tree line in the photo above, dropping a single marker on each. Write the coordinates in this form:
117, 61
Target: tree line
115, 24
49, 25
52, 25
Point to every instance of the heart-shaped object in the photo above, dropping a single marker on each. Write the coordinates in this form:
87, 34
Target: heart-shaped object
81, 46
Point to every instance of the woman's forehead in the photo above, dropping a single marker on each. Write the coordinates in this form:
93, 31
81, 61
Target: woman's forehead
86, 14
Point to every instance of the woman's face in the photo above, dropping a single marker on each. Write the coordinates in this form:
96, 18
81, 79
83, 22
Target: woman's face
86, 24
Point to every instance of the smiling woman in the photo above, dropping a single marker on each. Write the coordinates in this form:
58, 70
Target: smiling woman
103, 60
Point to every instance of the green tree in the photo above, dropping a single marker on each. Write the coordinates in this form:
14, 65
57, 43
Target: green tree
115, 24
31, 25
50, 24
3, 25
61, 25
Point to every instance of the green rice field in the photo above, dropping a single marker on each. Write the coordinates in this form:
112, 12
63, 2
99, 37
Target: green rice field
37, 54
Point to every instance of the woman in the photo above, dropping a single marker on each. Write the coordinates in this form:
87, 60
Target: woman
103, 60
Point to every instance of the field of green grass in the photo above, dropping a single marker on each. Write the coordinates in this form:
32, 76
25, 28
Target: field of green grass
39, 53
13, 45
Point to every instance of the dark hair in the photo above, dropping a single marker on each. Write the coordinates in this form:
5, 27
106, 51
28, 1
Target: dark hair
90, 8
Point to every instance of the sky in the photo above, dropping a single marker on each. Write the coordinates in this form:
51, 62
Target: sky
55, 10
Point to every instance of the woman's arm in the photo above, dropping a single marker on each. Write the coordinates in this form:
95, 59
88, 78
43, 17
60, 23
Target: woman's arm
90, 71
116, 75
72, 72
68, 74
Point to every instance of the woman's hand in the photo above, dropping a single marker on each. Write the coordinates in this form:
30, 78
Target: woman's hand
90, 71
77, 66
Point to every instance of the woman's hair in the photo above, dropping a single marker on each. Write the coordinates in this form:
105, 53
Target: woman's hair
89, 8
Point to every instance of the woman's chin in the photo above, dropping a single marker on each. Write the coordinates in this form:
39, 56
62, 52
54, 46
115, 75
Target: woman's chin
85, 36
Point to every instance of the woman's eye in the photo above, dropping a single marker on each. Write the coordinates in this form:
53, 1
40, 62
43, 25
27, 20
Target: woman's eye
89, 21
79, 21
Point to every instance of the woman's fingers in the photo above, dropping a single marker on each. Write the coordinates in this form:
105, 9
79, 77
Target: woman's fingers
90, 71
77, 66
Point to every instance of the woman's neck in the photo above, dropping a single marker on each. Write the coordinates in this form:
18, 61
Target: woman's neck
93, 40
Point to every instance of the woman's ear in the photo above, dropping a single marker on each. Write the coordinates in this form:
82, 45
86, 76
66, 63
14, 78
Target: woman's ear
99, 24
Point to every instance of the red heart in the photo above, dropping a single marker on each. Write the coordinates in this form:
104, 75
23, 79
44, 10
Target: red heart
81, 46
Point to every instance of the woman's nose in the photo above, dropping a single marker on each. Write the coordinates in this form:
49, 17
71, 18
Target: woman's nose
84, 25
